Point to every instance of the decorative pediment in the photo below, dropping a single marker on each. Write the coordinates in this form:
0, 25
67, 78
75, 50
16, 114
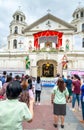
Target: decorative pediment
49, 22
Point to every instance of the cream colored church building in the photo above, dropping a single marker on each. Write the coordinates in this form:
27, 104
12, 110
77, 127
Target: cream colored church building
51, 44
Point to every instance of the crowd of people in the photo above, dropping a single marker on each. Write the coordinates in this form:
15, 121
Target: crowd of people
17, 97
19, 94
67, 90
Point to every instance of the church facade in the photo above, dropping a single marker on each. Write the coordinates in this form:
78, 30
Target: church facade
46, 47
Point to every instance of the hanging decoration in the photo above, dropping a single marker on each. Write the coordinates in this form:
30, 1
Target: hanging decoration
48, 33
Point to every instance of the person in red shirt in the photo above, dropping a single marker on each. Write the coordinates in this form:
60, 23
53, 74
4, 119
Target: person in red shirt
76, 91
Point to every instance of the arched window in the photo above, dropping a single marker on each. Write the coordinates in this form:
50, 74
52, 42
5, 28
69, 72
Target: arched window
17, 17
83, 42
77, 16
15, 44
22, 30
81, 14
83, 27
21, 19
16, 30
8, 44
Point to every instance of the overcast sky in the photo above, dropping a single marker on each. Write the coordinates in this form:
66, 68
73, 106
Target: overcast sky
34, 9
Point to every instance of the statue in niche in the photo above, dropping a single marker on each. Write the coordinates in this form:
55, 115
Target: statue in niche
67, 45
64, 65
64, 62
48, 44
30, 48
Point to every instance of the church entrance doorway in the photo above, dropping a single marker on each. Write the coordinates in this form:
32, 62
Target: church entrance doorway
46, 68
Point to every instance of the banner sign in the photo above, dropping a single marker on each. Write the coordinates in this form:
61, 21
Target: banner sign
45, 39
78, 72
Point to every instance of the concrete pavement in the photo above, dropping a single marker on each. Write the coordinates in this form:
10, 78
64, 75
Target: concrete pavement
43, 116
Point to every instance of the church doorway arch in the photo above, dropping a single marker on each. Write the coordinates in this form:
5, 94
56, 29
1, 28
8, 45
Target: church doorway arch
46, 68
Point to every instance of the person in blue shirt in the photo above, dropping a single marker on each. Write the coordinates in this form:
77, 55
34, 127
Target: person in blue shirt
64, 79
82, 102
69, 87
3, 78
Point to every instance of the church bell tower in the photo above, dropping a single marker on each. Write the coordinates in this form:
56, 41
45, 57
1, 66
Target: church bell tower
17, 26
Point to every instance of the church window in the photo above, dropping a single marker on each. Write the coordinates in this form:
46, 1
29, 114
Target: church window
81, 14
83, 42
21, 19
76, 28
22, 30
83, 27
16, 30
8, 44
17, 17
77, 16
14, 44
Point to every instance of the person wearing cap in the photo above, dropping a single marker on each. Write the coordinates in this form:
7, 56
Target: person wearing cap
12, 111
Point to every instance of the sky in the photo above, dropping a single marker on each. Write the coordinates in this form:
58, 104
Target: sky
33, 10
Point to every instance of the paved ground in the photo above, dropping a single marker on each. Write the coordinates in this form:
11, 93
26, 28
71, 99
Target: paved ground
43, 116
